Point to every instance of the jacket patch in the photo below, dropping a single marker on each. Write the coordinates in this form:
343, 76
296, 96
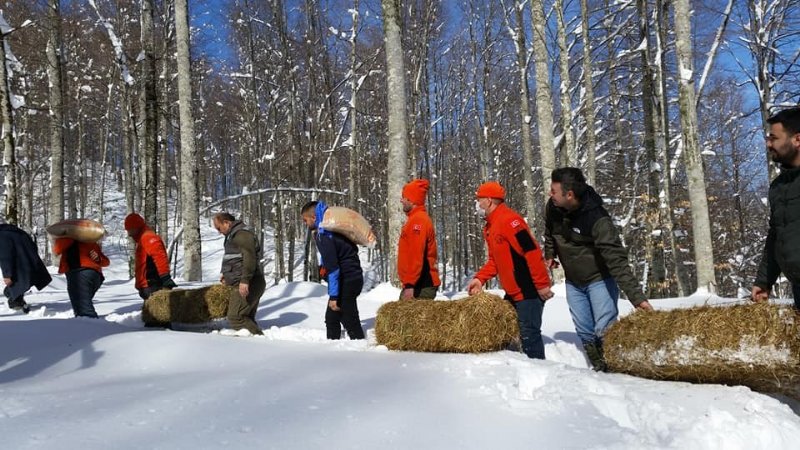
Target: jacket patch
417, 228
515, 223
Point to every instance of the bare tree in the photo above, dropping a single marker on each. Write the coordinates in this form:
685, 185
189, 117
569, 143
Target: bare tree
397, 125
9, 150
701, 224
588, 96
544, 99
56, 96
192, 264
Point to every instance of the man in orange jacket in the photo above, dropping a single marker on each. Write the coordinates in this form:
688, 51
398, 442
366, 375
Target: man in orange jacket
516, 259
83, 263
416, 251
151, 263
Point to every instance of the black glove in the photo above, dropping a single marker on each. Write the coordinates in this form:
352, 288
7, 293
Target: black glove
167, 282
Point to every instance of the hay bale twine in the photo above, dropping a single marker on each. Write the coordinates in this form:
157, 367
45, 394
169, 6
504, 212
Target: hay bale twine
187, 305
754, 345
479, 323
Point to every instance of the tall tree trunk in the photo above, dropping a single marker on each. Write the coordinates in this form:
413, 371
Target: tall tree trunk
149, 134
662, 147
569, 152
701, 224
397, 126
9, 152
56, 96
352, 189
654, 247
544, 99
588, 100
518, 34
192, 266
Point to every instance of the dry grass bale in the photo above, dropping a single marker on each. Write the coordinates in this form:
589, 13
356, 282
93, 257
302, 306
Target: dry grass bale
754, 345
479, 323
187, 305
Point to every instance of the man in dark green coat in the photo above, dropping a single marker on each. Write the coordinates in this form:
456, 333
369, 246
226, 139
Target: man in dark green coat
241, 268
580, 233
782, 249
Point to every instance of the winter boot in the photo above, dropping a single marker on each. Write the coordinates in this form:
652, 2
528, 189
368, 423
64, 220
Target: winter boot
594, 351
19, 304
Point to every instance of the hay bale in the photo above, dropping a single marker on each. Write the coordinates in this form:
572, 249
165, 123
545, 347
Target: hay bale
754, 345
187, 305
479, 323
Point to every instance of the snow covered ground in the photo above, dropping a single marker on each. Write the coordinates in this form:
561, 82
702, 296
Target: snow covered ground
112, 384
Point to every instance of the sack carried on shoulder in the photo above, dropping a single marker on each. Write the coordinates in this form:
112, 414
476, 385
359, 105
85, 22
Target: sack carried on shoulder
349, 223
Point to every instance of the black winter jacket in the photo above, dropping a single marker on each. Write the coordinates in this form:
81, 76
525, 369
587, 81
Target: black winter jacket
782, 249
20, 261
588, 245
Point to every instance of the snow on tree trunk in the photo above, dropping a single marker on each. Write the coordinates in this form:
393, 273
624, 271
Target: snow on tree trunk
701, 224
588, 94
569, 153
149, 134
56, 96
9, 152
353, 154
518, 35
397, 126
544, 100
192, 266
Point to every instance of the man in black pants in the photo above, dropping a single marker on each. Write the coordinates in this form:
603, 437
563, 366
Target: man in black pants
21, 266
340, 267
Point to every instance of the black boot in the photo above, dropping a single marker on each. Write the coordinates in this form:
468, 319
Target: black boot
19, 304
594, 351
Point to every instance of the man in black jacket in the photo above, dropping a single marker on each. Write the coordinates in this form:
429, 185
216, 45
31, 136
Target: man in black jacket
580, 232
341, 268
782, 249
22, 268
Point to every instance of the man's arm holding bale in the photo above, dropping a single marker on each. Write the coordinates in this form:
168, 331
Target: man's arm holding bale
606, 239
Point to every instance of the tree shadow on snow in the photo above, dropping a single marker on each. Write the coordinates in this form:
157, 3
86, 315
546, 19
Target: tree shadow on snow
284, 320
41, 344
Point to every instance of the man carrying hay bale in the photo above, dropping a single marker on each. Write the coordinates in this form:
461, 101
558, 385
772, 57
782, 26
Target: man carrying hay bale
782, 249
580, 232
241, 266
151, 263
516, 260
340, 266
417, 264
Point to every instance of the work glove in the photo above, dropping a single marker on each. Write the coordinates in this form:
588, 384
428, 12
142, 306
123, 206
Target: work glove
167, 282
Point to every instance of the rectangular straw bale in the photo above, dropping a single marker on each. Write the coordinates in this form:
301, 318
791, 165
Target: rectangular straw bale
754, 345
479, 323
187, 305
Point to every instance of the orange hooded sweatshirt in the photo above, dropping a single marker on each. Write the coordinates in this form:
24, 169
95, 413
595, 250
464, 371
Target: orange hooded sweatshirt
416, 251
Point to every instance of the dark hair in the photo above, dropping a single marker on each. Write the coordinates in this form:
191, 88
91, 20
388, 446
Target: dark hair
308, 206
571, 179
223, 217
789, 118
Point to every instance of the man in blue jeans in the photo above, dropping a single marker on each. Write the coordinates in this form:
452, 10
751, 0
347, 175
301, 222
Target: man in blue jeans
782, 249
580, 233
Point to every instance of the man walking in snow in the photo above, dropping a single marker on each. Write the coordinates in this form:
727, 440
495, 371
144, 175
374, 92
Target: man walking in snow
417, 264
782, 250
21, 266
151, 263
580, 233
340, 266
83, 263
516, 259
241, 267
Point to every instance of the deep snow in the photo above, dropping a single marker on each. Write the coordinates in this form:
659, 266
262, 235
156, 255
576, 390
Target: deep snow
111, 383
